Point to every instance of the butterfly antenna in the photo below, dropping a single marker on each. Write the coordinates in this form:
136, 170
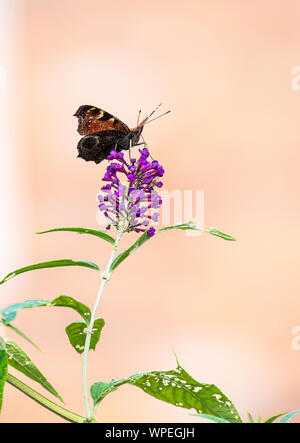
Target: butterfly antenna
138, 119
148, 116
155, 118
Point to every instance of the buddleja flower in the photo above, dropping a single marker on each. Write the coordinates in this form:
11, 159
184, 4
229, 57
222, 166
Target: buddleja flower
130, 203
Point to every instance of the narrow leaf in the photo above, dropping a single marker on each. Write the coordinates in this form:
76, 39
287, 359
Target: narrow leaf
191, 226
9, 313
182, 226
144, 237
69, 302
220, 234
19, 360
17, 331
97, 233
251, 419
51, 264
77, 334
3, 369
139, 242
287, 418
273, 418
211, 417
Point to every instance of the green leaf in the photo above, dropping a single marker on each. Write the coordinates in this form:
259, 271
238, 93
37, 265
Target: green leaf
182, 226
211, 417
191, 226
178, 388
69, 302
273, 418
51, 264
97, 233
251, 419
214, 231
9, 313
3, 369
17, 331
139, 242
144, 237
77, 334
287, 418
19, 360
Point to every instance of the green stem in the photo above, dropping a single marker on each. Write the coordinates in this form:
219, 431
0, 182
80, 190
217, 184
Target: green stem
58, 410
105, 279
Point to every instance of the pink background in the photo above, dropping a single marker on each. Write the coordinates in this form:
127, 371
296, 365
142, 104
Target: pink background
228, 309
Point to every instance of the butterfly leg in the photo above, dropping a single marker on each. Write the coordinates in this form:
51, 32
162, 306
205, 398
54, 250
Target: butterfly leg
144, 142
146, 146
129, 150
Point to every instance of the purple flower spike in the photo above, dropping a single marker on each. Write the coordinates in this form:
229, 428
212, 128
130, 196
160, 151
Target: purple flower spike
129, 205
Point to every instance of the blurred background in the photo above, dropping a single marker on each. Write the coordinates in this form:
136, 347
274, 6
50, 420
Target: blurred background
227, 308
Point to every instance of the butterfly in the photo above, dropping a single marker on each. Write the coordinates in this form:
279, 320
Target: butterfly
103, 132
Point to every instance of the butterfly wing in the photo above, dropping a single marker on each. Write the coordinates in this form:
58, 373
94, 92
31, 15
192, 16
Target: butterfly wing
97, 146
92, 119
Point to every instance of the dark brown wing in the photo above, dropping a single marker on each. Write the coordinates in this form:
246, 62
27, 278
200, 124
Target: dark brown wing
92, 119
96, 147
